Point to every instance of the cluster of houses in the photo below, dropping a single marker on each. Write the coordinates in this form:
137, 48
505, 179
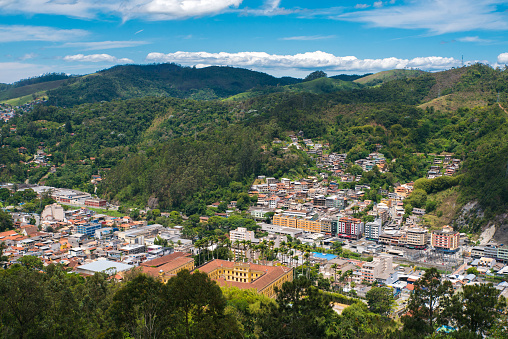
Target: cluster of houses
80, 236
63, 196
320, 207
443, 164
6, 112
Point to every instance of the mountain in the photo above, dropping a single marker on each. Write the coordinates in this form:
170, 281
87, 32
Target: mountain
318, 86
136, 81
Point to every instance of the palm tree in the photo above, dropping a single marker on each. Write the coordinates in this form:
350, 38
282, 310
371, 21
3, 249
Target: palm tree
249, 246
236, 246
334, 267
244, 245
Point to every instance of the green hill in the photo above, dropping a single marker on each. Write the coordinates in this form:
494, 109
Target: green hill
157, 147
381, 77
27, 87
318, 86
349, 77
136, 81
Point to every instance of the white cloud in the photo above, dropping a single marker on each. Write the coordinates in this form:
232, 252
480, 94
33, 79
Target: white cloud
473, 39
309, 37
97, 58
153, 9
361, 6
436, 16
378, 4
98, 45
28, 56
309, 60
269, 8
502, 58
14, 71
15, 33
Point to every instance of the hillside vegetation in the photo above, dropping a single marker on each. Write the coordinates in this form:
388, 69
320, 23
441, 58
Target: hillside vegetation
385, 76
136, 81
322, 85
28, 87
179, 153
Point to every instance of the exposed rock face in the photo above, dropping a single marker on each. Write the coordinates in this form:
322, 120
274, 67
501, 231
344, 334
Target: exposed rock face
501, 235
470, 219
153, 202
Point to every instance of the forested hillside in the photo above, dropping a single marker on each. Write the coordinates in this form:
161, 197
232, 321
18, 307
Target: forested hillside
183, 154
136, 81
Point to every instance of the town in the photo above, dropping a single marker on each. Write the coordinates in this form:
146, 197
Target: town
351, 243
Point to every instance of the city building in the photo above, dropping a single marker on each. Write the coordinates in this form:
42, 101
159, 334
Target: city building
165, 267
351, 228
371, 271
306, 224
241, 233
417, 238
96, 202
88, 229
446, 239
262, 278
373, 229
104, 266
274, 229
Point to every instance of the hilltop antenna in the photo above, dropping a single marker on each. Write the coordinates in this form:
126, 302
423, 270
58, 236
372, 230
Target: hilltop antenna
462, 60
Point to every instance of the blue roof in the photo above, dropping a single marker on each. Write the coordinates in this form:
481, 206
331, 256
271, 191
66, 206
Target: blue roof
324, 256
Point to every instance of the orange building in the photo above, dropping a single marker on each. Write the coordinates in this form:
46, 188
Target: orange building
446, 239
295, 222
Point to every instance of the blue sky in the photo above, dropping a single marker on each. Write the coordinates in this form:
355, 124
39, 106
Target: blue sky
279, 37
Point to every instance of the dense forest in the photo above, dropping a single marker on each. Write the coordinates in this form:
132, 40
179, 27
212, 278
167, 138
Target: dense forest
48, 302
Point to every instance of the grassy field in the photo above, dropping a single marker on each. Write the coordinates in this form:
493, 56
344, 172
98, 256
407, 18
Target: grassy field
24, 99
111, 213
379, 78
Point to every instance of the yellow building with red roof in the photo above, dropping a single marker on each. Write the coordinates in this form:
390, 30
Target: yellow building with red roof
262, 278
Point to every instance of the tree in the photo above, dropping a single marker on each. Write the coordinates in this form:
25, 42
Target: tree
315, 75
156, 213
3, 246
199, 307
31, 262
472, 270
380, 300
424, 303
5, 221
302, 311
175, 217
160, 241
476, 308
134, 214
23, 302
139, 308
68, 126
